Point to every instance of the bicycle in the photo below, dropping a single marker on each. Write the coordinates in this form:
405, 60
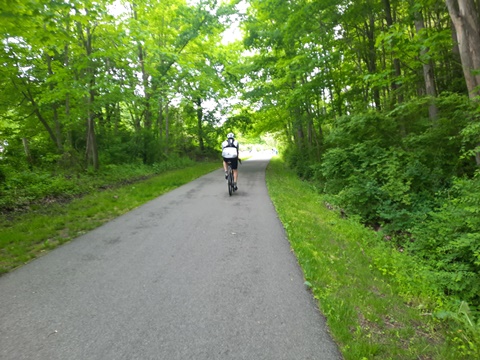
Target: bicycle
230, 183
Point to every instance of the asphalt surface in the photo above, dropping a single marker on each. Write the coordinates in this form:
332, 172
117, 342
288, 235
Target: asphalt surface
193, 274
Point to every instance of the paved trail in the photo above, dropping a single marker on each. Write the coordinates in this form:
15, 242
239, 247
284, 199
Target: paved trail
194, 274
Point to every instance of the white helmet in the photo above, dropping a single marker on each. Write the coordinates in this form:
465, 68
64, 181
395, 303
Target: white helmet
230, 136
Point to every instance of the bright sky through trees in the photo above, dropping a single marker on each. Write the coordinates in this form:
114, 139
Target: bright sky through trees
234, 33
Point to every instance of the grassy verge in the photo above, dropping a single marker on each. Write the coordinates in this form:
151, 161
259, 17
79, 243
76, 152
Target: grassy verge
349, 270
32, 234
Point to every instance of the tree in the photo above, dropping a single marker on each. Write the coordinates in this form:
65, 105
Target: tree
87, 84
465, 18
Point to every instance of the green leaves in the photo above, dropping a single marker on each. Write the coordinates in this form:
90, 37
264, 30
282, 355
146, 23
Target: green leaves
449, 239
124, 72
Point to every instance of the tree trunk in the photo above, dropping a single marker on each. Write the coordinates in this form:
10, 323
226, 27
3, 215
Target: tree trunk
167, 126
118, 118
67, 95
288, 133
465, 18
372, 58
28, 95
299, 132
91, 150
145, 77
199, 124
160, 118
56, 121
28, 154
428, 74
396, 61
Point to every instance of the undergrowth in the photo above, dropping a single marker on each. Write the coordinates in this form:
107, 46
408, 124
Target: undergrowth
379, 302
26, 190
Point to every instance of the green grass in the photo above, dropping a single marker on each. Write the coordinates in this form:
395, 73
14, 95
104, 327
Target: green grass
356, 277
29, 235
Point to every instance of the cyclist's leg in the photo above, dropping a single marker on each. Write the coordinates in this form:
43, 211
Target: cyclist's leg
225, 167
235, 170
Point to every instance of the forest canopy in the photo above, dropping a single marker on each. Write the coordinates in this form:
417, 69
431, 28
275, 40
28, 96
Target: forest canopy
99, 82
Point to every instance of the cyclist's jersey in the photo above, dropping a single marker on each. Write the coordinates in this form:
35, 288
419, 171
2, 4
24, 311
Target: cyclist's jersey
230, 151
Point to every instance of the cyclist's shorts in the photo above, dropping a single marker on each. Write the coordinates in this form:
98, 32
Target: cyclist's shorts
234, 162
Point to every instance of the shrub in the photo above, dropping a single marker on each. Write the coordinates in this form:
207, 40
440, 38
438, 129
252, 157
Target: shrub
449, 240
24, 188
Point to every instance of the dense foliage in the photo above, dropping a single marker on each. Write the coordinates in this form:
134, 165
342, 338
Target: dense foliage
376, 102
28, 190
89, 83
115, 87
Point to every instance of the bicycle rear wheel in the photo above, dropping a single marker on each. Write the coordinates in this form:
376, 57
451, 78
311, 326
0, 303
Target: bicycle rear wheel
230, 180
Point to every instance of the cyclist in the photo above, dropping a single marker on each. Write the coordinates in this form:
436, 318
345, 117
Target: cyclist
230, 150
